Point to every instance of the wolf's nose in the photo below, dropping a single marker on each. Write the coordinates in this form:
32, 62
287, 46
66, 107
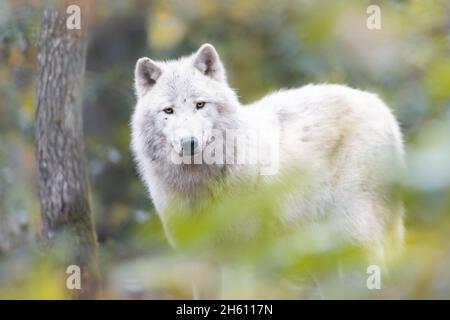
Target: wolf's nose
189, 145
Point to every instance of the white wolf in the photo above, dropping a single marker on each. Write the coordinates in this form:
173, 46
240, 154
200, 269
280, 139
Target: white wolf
348, 138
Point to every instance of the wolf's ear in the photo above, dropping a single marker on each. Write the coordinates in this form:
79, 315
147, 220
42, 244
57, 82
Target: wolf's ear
208, 62
145, 75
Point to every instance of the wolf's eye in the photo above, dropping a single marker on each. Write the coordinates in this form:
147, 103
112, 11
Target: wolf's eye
200, 105
168, 110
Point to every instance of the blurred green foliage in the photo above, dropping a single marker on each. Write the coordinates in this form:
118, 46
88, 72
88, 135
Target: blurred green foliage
266, 45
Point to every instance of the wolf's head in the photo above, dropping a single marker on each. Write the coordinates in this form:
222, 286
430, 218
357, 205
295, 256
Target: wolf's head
180, 103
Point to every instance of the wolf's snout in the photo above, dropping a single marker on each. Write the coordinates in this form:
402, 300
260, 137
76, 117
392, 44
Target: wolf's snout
189, 146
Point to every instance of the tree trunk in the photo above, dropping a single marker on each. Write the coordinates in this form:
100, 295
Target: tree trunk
62, 171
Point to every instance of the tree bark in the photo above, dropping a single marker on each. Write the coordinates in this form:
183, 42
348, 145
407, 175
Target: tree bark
62, 171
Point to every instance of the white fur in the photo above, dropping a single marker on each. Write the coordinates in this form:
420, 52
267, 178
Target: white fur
346, 138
